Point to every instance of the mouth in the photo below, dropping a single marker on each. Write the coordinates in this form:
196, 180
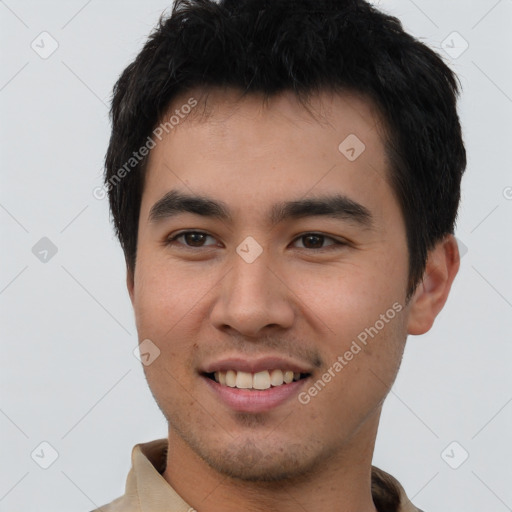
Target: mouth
255, 392
258, 381
255, 385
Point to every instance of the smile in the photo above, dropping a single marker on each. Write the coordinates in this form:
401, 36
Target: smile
256, 381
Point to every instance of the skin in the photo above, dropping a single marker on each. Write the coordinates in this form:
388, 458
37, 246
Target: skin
204, 302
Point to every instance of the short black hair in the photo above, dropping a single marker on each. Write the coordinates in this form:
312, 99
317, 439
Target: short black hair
304, 46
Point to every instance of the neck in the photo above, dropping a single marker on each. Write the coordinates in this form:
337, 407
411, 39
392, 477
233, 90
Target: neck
341, 483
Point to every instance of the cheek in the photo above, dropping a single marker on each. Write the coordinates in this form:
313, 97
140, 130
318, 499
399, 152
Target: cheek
162, 301
349, 297
167, 297
155, 301
359, 315
151, 301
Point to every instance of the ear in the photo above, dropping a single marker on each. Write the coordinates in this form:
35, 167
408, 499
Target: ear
431, 293
130, 284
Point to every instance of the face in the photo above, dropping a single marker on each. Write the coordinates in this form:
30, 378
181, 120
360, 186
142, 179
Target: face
269, 249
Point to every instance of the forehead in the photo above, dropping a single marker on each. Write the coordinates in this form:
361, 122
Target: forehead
246, 150
220, 111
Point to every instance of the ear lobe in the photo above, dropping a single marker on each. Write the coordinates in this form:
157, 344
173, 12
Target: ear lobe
443, 263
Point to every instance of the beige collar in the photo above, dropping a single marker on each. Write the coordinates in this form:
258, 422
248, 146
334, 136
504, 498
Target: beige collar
148, 491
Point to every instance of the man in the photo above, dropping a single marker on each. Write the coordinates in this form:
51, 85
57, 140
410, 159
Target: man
284, 179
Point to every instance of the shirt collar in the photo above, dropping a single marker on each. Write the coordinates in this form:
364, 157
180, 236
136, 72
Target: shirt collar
146, 487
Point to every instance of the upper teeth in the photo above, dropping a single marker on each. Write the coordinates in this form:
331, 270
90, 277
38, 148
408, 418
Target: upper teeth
259, 380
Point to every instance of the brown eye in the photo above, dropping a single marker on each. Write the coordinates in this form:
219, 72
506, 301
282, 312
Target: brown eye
313, 241
316, 241
191, 239
194, 239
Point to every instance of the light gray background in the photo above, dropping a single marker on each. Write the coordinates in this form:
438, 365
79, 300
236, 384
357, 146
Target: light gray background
68, 374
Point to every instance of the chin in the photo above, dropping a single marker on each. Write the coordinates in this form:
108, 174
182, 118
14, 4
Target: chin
265, 456
252, 463
245, 467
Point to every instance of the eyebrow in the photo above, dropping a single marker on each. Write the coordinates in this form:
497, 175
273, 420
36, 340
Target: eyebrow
336, 206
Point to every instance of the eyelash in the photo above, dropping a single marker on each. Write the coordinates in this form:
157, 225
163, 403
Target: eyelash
337, 243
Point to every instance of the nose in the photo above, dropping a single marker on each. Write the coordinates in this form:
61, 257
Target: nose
253, 298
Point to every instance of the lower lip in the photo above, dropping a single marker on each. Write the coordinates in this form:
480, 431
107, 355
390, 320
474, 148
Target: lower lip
244, 400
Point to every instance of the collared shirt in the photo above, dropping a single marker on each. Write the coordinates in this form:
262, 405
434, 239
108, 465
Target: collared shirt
147, 491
